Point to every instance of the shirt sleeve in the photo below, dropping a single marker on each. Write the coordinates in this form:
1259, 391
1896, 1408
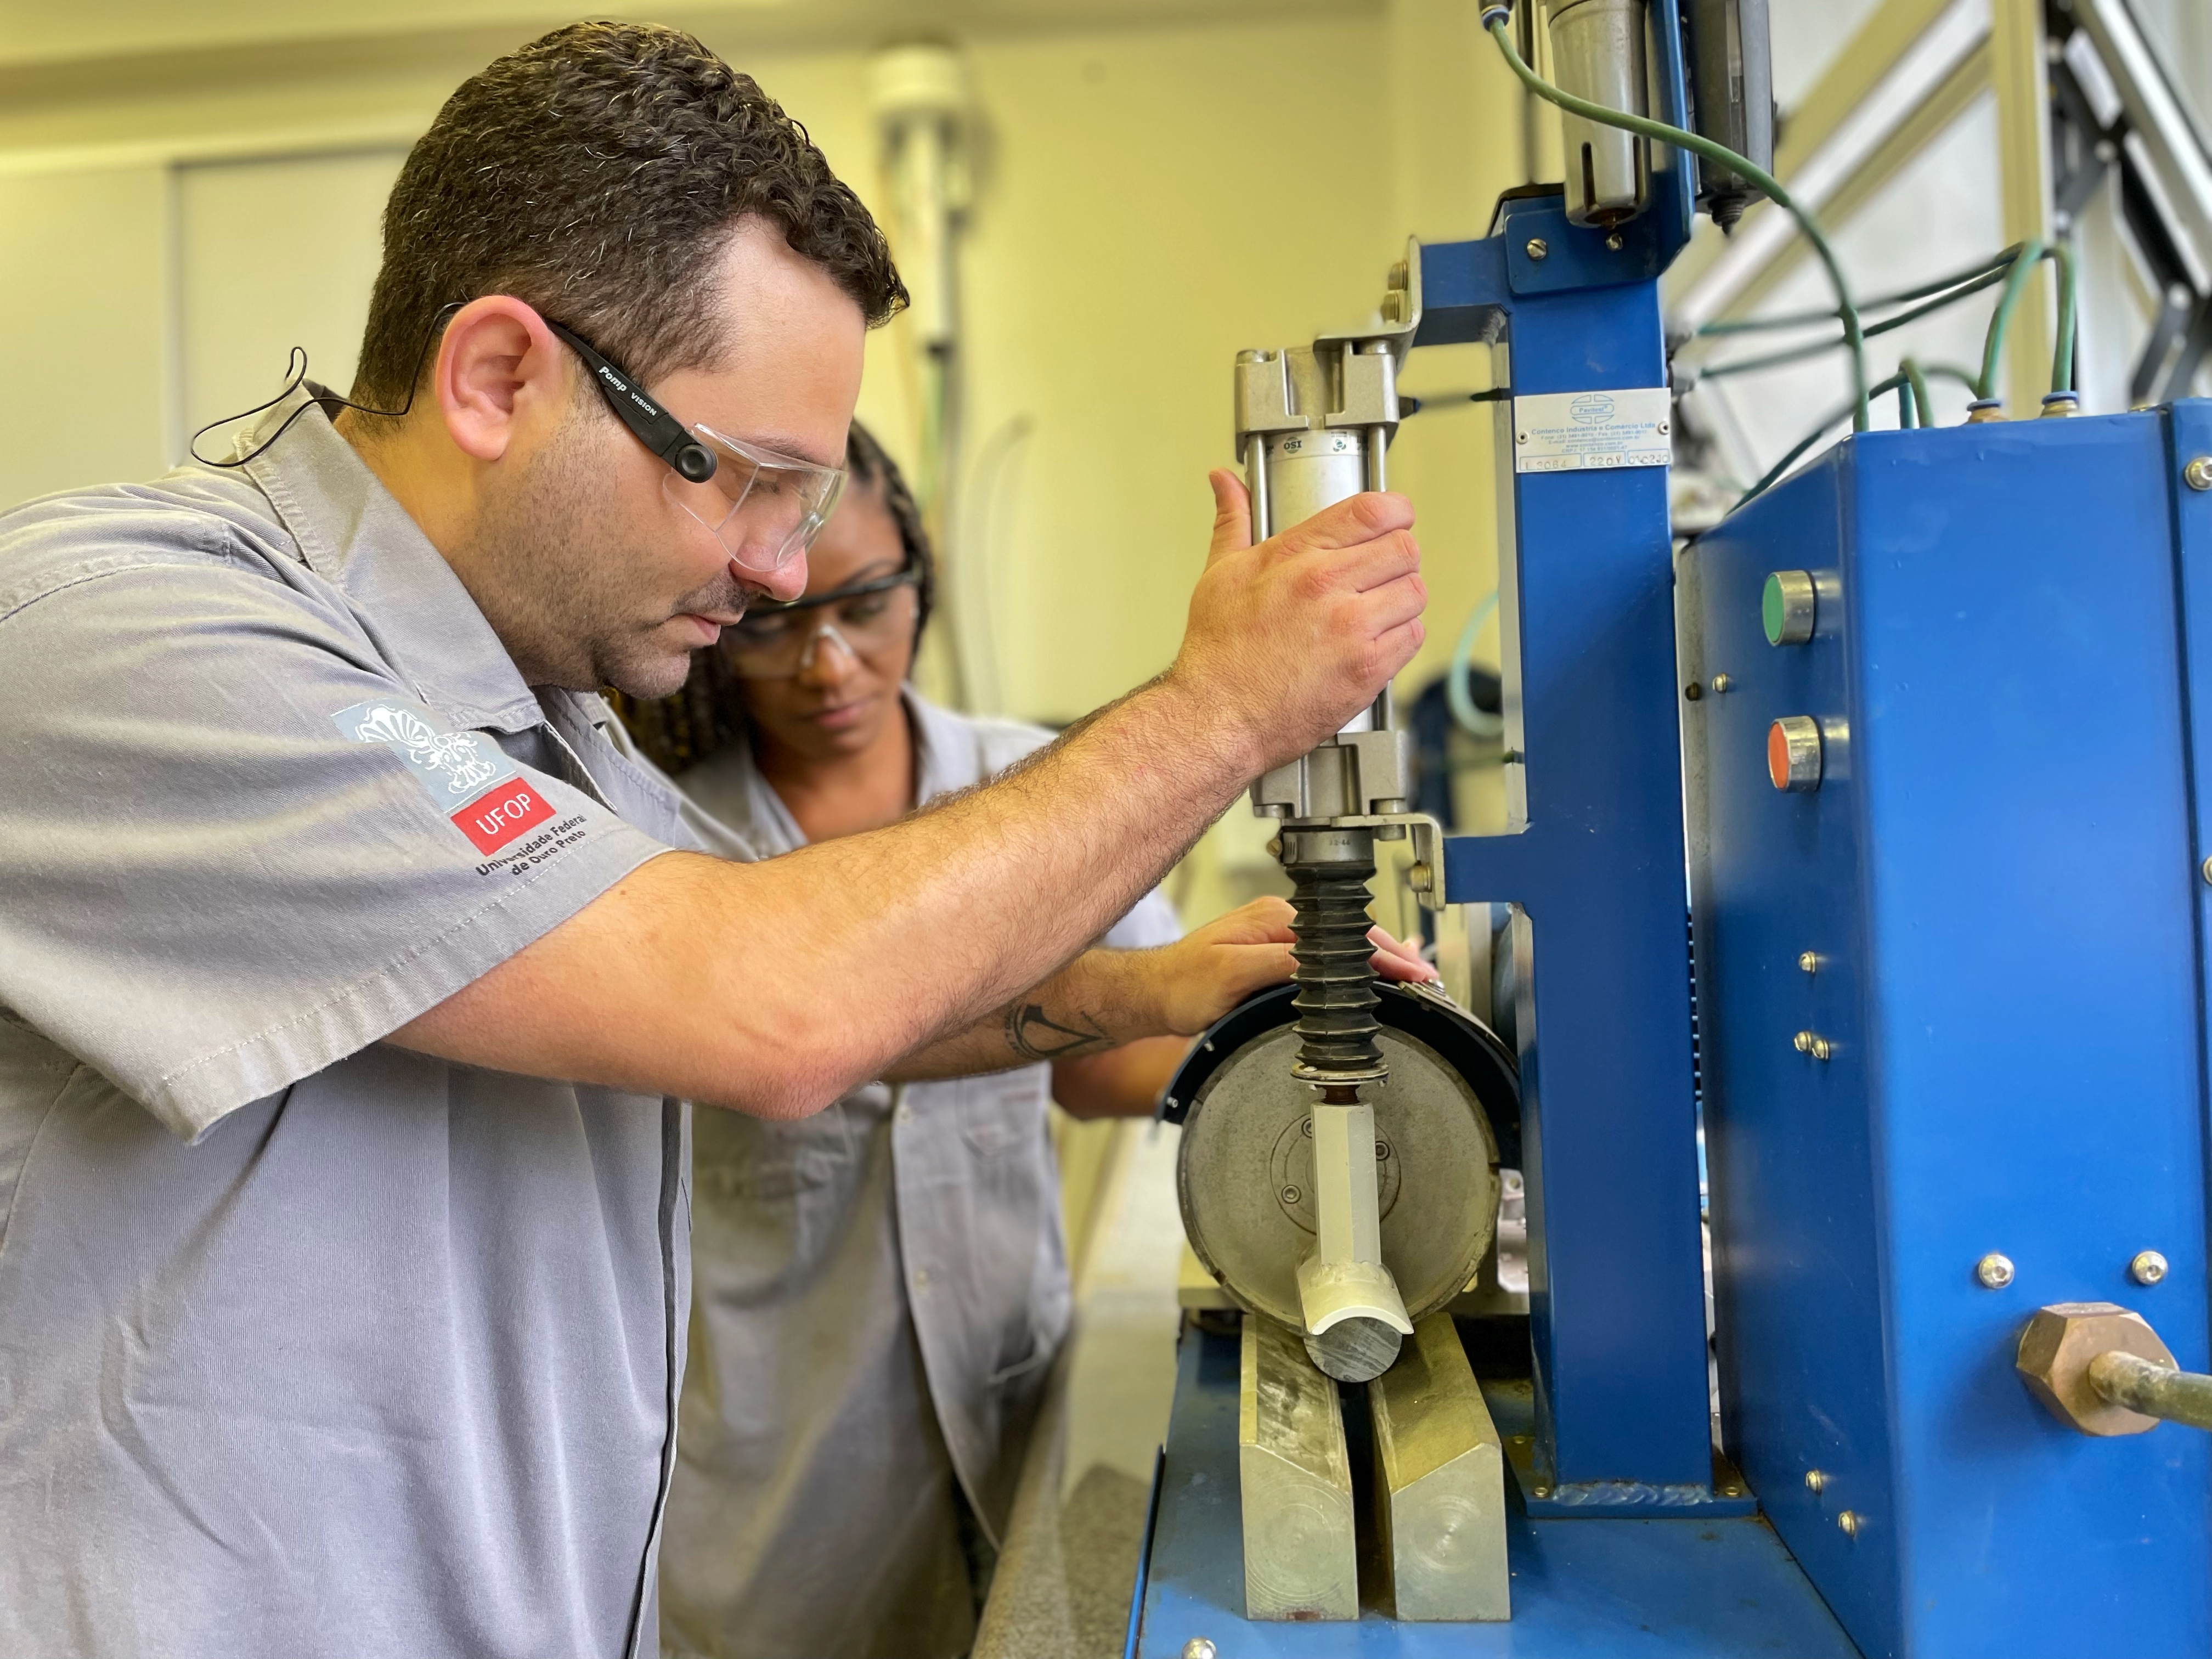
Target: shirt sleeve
235, 849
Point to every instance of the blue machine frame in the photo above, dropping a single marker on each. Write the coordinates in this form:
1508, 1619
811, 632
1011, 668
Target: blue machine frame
2004, 1043
1998, 878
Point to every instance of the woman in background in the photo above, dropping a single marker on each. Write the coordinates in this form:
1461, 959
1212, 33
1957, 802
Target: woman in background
879, 1290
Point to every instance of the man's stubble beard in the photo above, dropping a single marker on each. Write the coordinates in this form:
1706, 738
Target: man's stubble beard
570, 608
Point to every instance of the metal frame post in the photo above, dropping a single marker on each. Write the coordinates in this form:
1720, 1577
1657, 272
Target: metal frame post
1617, 1294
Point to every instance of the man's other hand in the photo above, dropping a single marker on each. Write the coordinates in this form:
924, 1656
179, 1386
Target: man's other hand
1288, 640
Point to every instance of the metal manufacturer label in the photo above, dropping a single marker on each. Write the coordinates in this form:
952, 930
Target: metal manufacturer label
1578, 431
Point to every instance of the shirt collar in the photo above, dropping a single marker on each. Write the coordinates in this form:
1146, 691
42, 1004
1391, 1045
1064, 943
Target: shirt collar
352, 532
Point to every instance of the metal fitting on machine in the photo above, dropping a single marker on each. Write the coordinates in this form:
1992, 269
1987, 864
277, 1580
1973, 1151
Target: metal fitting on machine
2102, 1369
2198, 474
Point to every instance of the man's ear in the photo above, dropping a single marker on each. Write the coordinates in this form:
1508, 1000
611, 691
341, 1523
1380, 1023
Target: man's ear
499, 368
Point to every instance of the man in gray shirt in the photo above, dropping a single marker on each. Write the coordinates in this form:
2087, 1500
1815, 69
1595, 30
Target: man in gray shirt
351, 979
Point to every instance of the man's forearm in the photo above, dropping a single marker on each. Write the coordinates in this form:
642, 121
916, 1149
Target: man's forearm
1098, 1001
775, 987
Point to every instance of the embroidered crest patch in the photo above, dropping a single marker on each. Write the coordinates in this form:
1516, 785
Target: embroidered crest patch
472, 780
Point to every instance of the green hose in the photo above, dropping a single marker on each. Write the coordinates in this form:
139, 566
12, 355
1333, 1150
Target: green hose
1918, 382
1809, 440
1881, 302
2023, 266
2061, 348
1494, 19
1996, 273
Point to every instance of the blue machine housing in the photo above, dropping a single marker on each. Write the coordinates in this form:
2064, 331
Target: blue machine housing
1999, 877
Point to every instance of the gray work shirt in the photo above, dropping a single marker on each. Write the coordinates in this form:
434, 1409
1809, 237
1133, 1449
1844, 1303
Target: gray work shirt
878, 1292
309, 1344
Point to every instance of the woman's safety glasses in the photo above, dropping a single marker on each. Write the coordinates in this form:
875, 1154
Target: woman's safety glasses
765, 508
869, 620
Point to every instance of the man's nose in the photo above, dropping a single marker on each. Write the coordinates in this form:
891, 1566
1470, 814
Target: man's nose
782, 586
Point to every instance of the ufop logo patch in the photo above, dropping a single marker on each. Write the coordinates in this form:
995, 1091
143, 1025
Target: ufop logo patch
474, 783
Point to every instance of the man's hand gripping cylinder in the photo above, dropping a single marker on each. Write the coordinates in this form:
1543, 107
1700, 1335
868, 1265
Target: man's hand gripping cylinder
1313, 424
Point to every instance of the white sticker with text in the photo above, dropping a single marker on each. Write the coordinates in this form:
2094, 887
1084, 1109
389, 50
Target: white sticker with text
1578, 431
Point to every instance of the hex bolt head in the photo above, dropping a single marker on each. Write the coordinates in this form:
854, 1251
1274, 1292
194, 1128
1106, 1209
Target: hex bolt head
2148, 1267
2056, 1347
1849, 1520
1994, 1272
1198, 1648
1538, 247
1787, 607
1808, 961
2198, 475
1793, 754
1815, 1481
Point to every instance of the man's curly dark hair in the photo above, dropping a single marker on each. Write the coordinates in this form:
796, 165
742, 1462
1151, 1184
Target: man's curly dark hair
596, 173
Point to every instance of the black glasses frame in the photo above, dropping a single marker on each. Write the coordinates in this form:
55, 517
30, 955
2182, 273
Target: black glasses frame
906, 576
649, 424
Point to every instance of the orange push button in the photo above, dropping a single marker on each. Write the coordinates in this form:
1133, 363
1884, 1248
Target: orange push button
1793, 753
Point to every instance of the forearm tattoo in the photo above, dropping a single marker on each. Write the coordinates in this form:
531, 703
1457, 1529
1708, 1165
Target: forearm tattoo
1036, 1036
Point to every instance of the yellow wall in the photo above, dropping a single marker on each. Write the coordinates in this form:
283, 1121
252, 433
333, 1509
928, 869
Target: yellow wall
1154, 197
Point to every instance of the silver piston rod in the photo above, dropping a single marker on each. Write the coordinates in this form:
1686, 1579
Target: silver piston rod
1313, 427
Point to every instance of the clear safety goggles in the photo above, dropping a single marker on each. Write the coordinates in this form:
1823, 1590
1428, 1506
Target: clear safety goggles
764, 507
868, 620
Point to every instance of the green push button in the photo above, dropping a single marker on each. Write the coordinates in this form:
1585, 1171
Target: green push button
1786, 607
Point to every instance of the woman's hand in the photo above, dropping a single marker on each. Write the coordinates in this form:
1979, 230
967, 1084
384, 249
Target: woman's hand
1212, 969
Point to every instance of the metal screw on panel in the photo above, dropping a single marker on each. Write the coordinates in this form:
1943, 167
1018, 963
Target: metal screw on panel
2206, 869
1613, 243
1815, 1481
1809, 1042
1733, 1489
1538, 247
1849, 1520
1292, 1194
1723, 684
1809, 961
1198, 1648
1994, 1270
2198, 475
2148, 1267
1542, 1490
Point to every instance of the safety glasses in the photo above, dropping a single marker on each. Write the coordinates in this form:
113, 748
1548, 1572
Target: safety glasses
765, 508
868, 620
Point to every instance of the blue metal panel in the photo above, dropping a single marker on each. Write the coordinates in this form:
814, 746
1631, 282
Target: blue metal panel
1999, 875
1609, 1117
1593, 1589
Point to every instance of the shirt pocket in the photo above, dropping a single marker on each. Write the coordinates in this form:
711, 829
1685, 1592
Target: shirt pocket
1001, 1121
768, 1200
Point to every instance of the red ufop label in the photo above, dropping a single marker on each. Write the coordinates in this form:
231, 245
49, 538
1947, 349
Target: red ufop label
497, 816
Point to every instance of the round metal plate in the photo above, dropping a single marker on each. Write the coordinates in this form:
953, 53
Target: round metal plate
1248, 1214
